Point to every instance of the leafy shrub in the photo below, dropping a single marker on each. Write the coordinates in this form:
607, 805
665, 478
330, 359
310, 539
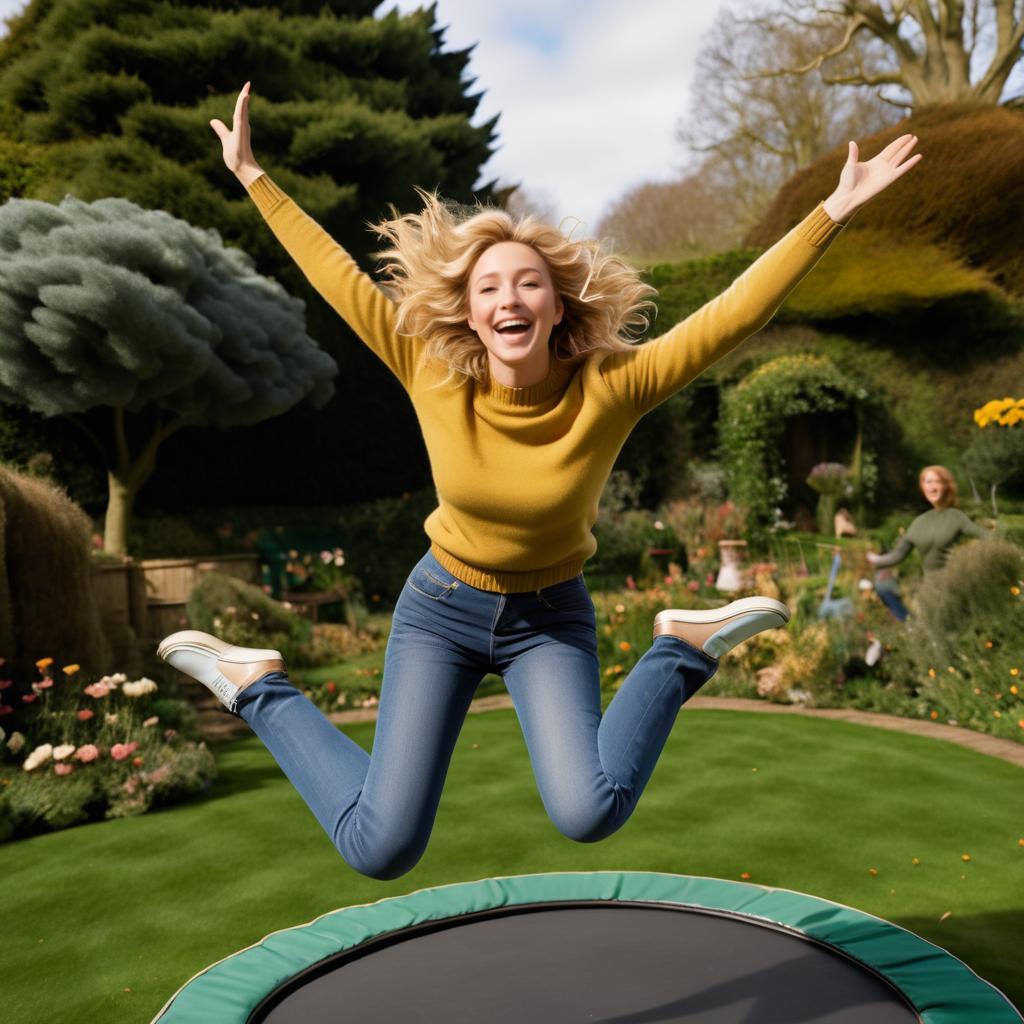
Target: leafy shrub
973, 598
242, 614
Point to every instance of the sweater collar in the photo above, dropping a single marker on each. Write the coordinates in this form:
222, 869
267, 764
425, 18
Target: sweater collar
554, 383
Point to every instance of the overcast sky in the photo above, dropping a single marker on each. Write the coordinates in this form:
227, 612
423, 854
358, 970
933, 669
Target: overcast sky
589, 91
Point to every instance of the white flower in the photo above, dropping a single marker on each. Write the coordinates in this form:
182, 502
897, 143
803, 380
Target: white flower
115, 680
151, 721
64, 750
38, 756
111, 719
139, 688
16, 742
658, 524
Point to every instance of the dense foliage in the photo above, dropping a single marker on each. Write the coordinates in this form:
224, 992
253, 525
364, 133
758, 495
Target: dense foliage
754, 415
349, 112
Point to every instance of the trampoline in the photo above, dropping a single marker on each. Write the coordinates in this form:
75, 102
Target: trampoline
622, 947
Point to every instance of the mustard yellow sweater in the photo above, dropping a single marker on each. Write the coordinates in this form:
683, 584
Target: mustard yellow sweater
519, 471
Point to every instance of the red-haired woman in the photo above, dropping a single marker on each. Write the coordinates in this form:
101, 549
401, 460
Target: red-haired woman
933, 533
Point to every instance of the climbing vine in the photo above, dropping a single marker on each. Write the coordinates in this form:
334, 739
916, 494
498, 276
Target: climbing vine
753, 419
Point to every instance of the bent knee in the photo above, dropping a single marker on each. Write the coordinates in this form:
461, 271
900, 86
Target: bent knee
384, 859
589, 823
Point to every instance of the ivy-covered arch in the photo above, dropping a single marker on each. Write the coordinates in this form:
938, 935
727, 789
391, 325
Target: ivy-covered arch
753, 420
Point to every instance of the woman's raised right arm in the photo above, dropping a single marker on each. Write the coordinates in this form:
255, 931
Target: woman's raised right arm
326, 265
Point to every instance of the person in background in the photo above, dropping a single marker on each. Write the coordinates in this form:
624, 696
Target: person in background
933, 533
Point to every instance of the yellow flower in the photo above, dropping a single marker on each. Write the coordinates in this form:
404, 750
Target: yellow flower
915, 861
70, 670
1014, 690
44, 663
1015, 591
997, 714
965, 857
931, 673
1015, 672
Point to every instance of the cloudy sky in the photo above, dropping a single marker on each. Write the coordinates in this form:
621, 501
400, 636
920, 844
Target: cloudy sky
589, 91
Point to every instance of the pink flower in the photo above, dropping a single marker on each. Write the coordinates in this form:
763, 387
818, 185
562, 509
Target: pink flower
97, 690
630, 583
27, 698
87, 753
4, 683
120, 751
169, 734
63, 769
84, 715
693, 586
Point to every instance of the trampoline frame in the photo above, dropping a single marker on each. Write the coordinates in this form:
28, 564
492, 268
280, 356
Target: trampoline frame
939, 987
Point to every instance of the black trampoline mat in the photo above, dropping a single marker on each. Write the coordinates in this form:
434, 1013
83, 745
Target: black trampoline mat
625, 963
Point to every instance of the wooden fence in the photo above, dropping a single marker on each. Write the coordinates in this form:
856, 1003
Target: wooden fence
150, 596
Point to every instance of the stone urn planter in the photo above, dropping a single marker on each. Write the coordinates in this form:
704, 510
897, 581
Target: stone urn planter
732, 553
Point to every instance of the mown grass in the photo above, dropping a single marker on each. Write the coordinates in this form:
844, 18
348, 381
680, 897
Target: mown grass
106, 921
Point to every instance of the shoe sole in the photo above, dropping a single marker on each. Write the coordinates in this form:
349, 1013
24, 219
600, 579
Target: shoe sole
191, 638
742, 619
744, 606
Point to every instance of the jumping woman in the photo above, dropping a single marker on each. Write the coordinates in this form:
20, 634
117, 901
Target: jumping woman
511, 341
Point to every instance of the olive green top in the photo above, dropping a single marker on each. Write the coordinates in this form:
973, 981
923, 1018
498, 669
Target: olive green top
933, 533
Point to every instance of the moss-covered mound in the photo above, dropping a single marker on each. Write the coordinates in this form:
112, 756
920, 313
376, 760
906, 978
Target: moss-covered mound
966, 196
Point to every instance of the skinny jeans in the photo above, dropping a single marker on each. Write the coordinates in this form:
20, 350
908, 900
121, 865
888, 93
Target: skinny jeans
445, 637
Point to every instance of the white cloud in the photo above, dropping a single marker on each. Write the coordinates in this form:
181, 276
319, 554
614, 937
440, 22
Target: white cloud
583, 123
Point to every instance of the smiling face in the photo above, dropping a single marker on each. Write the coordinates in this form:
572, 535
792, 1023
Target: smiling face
512, 308
933, 487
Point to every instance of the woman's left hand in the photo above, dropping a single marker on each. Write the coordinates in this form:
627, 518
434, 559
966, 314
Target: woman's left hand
860, 182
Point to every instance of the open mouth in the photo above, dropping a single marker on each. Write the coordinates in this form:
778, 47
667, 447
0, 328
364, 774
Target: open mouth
512, 328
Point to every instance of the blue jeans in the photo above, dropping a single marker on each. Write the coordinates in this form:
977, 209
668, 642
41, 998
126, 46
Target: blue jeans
445, 636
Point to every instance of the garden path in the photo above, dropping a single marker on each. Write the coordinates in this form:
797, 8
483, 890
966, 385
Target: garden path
215, 725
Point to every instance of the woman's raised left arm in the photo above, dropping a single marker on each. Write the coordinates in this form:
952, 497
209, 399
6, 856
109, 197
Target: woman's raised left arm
648, 374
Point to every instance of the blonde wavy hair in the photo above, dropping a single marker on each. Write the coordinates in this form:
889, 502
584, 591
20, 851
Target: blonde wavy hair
427, 266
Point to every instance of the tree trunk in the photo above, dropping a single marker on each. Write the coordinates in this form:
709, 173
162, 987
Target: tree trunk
120, 501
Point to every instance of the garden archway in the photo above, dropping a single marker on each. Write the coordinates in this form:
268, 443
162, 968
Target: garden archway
784, 417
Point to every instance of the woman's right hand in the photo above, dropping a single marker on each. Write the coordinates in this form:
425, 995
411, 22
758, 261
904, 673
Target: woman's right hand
237, 147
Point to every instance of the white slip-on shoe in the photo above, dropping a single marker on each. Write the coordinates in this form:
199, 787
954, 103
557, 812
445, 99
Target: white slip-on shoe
224, 669
718, 630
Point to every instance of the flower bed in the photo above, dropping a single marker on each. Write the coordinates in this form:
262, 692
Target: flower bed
109, 749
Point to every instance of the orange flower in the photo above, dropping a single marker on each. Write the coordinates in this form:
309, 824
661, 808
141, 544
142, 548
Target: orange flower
1015, 591
624, 645
745, 875
988, 644
934, 715
931, 673
872, 872
44, 663
70, 670
1014, 690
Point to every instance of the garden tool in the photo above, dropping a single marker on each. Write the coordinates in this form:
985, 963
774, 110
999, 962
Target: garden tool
834, 608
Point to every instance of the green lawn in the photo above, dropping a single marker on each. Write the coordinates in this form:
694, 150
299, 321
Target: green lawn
108, 920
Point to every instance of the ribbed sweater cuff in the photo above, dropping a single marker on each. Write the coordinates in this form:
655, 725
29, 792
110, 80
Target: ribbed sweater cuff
264, 193
818, 227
